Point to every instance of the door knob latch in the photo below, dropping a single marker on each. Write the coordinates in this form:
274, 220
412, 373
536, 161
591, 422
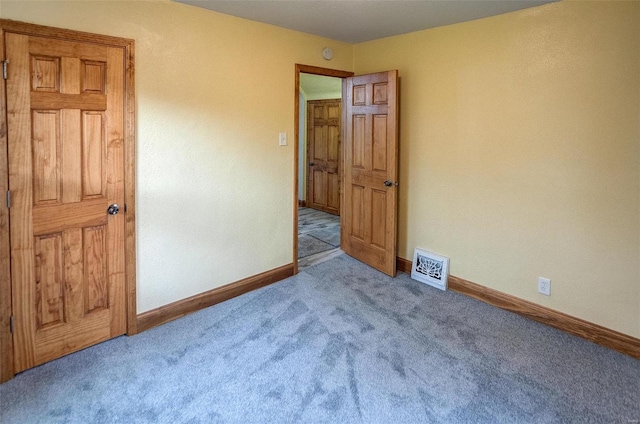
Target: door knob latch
113, 209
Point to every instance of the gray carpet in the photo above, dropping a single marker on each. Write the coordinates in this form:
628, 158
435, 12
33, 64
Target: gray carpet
338, 343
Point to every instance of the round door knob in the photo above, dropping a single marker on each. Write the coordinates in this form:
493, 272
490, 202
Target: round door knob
388, 183
113, 209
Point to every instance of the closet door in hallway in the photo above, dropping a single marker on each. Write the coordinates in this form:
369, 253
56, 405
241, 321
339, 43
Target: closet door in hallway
323, 154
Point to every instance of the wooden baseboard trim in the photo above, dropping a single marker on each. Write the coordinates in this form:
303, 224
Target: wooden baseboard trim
403, 265
164, 314
302, 203
578, 327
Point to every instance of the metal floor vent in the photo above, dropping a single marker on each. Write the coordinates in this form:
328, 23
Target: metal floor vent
429, 268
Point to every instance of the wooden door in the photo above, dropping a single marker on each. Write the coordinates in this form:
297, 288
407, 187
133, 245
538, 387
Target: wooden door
323, 154
65, 103
371, 172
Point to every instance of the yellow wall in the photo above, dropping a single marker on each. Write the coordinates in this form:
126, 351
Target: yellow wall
215, 191
520, 146
520, 157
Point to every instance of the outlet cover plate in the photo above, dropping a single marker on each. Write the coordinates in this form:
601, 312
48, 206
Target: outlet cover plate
544, 286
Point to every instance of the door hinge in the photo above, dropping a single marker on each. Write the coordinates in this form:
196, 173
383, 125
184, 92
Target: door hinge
11, 323
8, 199
5, 63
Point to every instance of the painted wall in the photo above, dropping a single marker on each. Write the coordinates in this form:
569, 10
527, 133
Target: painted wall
320, 87
302, 146
215, 191
520, 146
520, 152
326, 96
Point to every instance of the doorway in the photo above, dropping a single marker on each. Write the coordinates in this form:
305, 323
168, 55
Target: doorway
316, 220
369, 166
319, 172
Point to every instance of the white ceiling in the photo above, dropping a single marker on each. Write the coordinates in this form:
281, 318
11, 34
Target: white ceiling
355, 21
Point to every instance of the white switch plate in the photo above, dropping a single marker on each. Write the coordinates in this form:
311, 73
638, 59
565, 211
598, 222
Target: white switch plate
283, 139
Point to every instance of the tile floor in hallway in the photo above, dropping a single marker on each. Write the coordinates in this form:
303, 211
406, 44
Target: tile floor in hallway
318, 237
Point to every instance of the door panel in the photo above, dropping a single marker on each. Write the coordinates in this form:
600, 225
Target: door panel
323, 147
49, 288
65, 132
355, 212
370, 174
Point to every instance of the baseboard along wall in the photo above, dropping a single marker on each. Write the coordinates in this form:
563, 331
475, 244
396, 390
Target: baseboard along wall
567, 323
164, 314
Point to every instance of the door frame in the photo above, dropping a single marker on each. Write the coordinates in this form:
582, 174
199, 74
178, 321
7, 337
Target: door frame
305, 69
128, 46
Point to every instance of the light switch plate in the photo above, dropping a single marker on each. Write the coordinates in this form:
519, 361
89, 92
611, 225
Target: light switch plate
283, 139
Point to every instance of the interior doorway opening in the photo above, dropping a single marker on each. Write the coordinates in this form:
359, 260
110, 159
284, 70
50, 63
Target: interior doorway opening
319, 142
317, 164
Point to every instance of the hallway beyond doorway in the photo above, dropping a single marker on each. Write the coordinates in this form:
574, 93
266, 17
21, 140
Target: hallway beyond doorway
318, 237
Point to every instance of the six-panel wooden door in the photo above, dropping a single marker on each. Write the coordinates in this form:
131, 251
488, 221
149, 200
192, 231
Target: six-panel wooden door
369, 218
65, 103
323, 154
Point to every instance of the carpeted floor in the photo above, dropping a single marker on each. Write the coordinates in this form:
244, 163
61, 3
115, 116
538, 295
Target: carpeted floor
317, 232
337, 343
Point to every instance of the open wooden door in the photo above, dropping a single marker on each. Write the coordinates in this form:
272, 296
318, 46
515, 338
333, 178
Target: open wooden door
370, 141
66, 126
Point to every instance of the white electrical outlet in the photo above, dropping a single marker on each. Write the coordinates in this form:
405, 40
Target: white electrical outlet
544, 286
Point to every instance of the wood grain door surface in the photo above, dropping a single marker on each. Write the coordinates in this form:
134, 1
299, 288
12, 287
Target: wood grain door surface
65, 103
369, 220
323, 154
